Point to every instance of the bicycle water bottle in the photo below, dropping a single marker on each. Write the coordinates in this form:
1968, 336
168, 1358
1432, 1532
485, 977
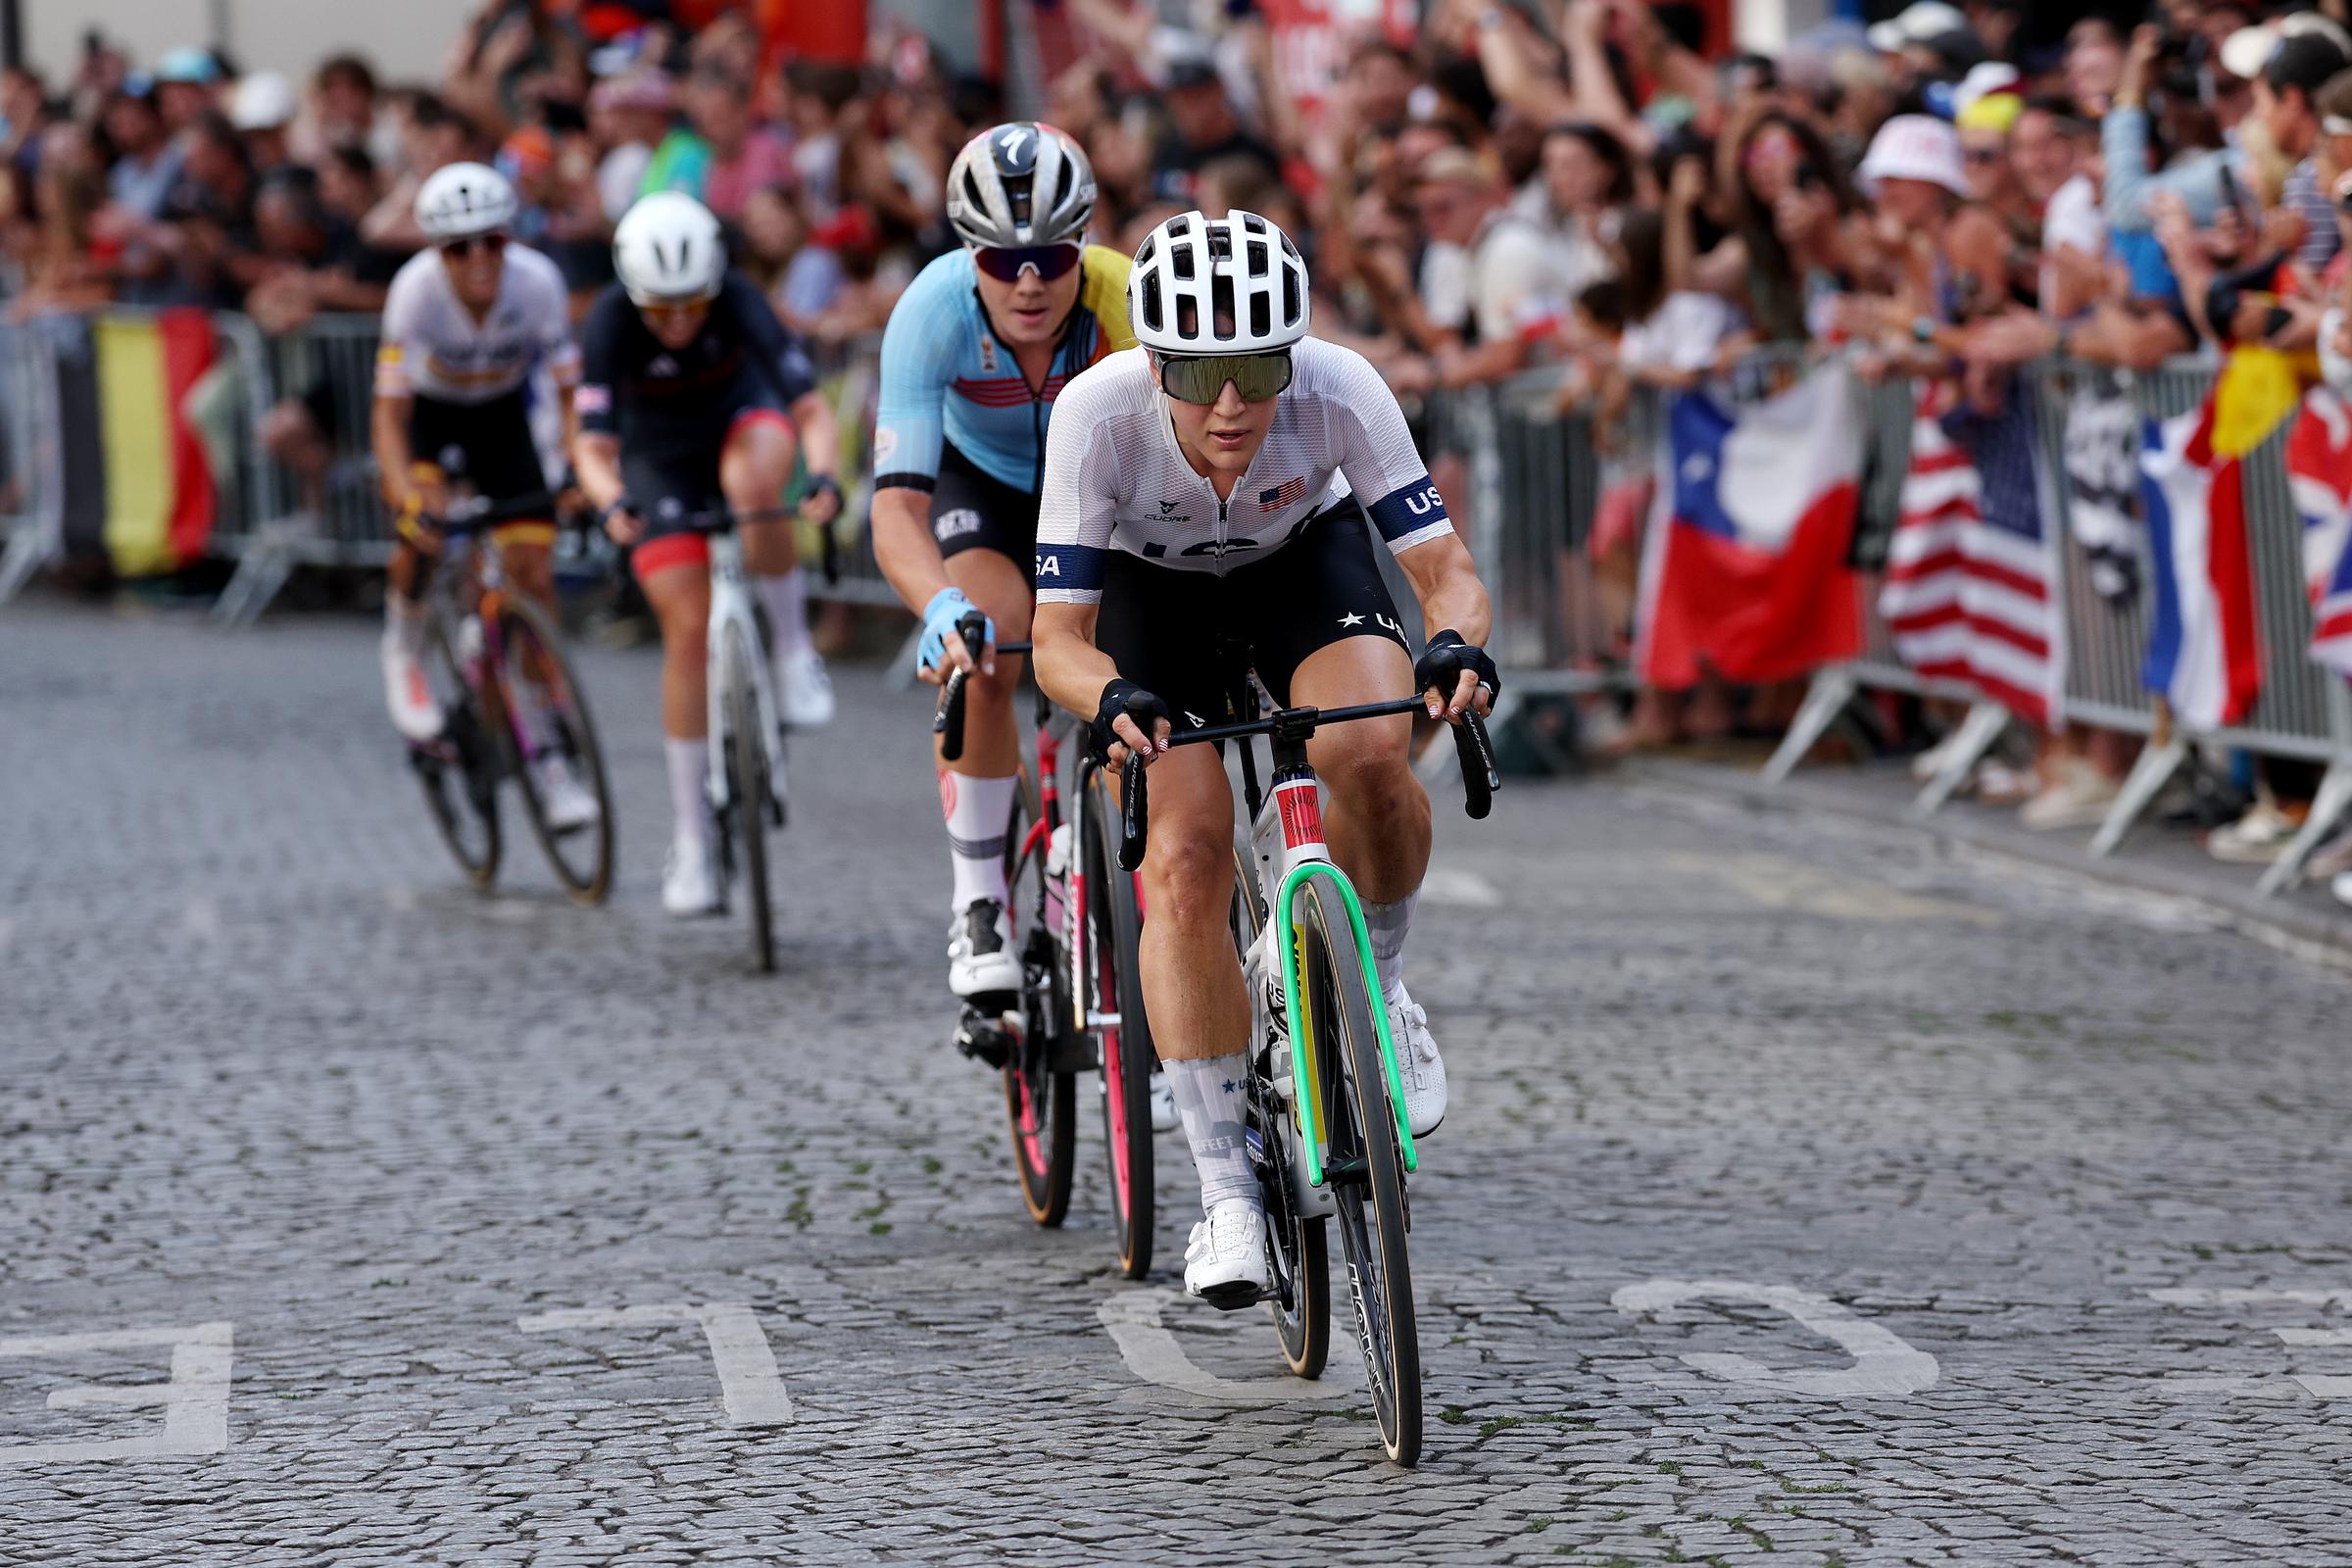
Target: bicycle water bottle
1266, 845
1058, 879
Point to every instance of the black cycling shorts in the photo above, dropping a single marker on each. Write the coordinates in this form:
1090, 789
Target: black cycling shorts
1192, 637
485, 445
672, 474
972, 510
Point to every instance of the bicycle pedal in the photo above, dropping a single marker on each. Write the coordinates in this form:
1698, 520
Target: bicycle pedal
1233, 1297
979, 1036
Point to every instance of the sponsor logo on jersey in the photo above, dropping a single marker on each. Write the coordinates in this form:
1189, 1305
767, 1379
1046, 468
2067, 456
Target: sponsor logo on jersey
988, 354
955, 524
662, 366
886, 446
1281, 494
592, 398
1166, 507
1219, 548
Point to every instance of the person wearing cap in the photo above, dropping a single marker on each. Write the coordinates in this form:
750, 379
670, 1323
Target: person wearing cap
1952, 253
1203, 128
262, 108
628, 115
185, 79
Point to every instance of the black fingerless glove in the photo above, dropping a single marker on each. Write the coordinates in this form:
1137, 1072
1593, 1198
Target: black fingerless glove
1124, 698
1443, 662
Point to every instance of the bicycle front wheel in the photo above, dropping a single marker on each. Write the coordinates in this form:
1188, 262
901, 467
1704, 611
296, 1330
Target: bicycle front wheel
1363, 1169
460, 772
1300, 1301
548, 718
1040, 1102
1114, 987
748, 781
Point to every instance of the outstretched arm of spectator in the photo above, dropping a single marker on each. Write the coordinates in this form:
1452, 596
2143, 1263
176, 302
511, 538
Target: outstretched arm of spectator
2124, 135
1520, 66
391, 223
1591, 81
1282, 125
471, 84
1121, 31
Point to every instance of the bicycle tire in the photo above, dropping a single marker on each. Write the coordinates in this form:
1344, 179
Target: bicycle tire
1114, 928
1041, 1104
524, 626
1364, 1171
747, 758
1300, 1300
463, 798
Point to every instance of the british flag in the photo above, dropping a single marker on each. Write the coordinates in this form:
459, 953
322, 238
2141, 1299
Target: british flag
2319, 467
1281, 494
1970, 570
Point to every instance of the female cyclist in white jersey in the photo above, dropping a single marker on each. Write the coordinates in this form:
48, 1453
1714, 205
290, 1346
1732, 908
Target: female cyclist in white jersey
1210, 501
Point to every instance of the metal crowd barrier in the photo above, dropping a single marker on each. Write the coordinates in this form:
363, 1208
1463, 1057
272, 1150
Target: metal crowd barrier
1535, 478
31, 489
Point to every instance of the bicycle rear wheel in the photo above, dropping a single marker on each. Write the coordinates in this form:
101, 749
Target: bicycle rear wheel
460, 772
581, 858
1364, 1171
1041, 1103
748, 781
1115, 985
1300, 1300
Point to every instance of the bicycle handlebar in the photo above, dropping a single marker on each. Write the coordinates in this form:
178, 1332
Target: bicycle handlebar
1471, 743
946, 718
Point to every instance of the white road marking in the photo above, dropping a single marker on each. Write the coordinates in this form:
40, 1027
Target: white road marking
1780, 883
1461, 889
1885, 1364
2314, 1335
749, 1383
2319, 1385
195, 1402
2198, 1295
1153, 1354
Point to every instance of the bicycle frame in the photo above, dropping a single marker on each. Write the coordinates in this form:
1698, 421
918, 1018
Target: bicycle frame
733, 605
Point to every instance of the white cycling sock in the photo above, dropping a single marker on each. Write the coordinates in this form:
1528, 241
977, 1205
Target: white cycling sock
978, 811
689, 770
404, 624
1209, 1097
1388, 925
786, 598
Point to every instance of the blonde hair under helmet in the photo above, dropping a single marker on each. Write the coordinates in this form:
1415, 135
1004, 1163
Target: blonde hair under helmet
1917, 147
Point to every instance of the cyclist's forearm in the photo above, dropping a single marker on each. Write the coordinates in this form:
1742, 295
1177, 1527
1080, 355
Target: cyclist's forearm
1446, 580
597, 459
1070, 668
820, 437
388, 433
903, 548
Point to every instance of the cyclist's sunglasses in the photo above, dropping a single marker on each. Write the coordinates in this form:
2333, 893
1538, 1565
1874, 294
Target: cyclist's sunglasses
1007, 265
1202, 380
463, 248
658, 313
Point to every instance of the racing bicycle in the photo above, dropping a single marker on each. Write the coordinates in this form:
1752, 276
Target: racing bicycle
746, 787
510, 705
1325, 1099
1076, 923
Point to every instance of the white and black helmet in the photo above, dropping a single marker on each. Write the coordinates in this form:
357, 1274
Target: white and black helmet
462, 200
1021, 184
1226, 285
667, 246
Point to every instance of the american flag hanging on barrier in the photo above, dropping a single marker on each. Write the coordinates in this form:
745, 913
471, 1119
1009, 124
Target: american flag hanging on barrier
2319, 470
1971, 584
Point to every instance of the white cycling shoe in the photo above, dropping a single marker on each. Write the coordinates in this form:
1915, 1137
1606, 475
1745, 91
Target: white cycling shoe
1417, 1062
980, 957
1163, 1104
406, 693
690, 879
569, 803
1225, 1261
803, 690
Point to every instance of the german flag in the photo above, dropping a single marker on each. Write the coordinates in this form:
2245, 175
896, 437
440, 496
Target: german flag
143, 488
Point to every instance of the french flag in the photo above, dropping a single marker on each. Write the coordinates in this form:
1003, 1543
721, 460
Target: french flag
2319, 470
2204, 652
1971, 570
1745, 568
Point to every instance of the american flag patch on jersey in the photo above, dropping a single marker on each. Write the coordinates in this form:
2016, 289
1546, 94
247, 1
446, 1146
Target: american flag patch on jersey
1281, 494
591, 399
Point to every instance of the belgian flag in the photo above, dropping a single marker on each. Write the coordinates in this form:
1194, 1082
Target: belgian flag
139, 483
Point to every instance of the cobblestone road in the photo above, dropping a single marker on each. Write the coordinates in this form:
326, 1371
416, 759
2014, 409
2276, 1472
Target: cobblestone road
1808, 1193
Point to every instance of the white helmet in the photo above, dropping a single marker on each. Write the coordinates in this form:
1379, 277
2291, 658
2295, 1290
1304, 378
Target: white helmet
463, 200
1191, 269
1020, 184
668, 247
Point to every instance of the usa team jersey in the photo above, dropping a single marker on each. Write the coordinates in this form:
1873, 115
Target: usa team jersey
1115, 478
946, 376
432, 346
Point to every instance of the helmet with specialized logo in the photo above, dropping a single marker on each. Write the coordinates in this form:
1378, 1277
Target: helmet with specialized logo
1018, 185
1225, 285
463, 200
668, 247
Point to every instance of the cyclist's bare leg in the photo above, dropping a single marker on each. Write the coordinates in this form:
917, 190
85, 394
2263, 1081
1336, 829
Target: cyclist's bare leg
1193, 987
754, 469
1376, 816
681, 597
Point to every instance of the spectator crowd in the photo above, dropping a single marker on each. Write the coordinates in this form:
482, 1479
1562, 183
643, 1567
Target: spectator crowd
1498, 185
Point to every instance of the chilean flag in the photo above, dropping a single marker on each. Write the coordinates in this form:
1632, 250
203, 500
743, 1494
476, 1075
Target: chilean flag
1746, 566
2319, 470
2204, 652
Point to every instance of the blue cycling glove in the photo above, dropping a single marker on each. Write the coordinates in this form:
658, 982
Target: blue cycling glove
946, 606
